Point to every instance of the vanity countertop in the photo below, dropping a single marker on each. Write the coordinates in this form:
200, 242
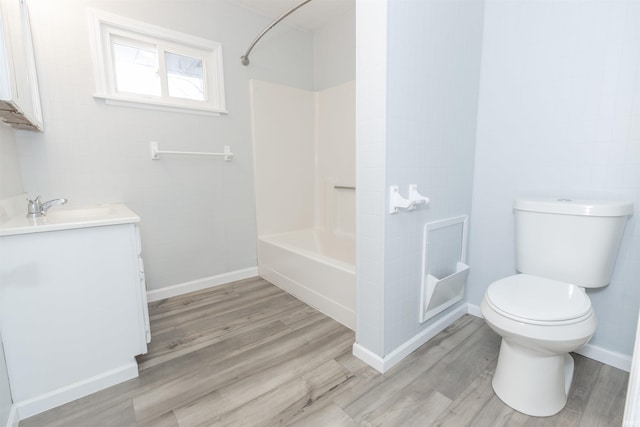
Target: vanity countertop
66, 218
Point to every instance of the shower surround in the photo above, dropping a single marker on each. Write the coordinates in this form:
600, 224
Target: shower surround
304, 153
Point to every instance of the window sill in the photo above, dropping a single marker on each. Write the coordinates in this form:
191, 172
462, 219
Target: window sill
152, 105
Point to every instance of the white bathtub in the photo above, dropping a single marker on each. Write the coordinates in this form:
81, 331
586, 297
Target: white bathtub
315, 267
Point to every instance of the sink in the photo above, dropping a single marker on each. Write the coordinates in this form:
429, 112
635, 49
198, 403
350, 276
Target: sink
13, 220
80, 213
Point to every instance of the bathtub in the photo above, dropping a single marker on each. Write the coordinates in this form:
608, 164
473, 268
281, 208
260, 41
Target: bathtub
314, 266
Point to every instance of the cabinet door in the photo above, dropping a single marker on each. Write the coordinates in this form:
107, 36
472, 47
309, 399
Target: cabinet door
70, 308
19, 95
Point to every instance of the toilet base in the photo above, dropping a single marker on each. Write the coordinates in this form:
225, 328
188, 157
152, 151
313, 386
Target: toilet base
531, 382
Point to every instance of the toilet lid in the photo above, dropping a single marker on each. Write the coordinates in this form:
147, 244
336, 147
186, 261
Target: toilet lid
539, 299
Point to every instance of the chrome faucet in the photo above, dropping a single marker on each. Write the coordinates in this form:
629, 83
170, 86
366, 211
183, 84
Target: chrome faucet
35, 209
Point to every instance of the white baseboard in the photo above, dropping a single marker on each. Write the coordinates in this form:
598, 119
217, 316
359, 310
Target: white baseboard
602, 355
14, 417
199, 284
474, 310
368, 357
327, 306
390, 360
608, 357
66, 394
383, 364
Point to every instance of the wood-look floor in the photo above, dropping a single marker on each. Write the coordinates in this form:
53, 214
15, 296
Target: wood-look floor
248, 354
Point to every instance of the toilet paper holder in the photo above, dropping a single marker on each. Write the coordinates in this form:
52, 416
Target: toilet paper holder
397, 202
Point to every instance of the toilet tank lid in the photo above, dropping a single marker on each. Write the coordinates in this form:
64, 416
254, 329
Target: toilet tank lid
575, 207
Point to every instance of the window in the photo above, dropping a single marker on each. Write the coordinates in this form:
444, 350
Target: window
142, 65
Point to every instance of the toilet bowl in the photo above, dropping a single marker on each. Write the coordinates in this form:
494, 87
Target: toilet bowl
540, 321
542, 314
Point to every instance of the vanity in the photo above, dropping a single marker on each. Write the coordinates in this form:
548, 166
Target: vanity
73, 302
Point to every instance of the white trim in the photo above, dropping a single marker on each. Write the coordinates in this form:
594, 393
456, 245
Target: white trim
199, 284
383, 364
602, 355
631, 415
608, 357
390, 360
327, 306
474, 310
105, 26
14, 417
68, 393
151, 105
368, 357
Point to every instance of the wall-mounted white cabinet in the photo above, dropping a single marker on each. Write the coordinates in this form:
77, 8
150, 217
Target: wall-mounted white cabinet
19, 95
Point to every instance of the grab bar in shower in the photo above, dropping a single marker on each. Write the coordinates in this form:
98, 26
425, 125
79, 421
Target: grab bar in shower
245, 58
155, 152
343, 187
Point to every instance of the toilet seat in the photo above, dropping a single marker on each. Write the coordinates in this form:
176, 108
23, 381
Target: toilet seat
538, 301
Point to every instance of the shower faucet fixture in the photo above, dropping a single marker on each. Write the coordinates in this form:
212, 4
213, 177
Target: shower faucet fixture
35, 209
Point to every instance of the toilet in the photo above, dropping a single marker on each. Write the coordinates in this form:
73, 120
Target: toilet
562, 248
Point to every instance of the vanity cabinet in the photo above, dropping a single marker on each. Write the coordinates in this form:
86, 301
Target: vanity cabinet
19, 95
74, 311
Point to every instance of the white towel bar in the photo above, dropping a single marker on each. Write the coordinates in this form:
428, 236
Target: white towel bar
155, 152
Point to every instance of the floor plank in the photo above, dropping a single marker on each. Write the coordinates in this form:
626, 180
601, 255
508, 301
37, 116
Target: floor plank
327, 415
466, 409
603, 405
413, 366
248, 354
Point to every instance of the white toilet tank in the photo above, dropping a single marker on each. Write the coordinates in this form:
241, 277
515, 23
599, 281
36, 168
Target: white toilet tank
571, 241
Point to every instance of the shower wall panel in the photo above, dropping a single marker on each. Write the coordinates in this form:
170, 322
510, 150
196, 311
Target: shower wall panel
283, 121
336, 159
304, 147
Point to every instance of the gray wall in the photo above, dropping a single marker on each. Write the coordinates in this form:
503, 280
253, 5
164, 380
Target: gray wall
559, 116
335, 52
428, 88
10, 177
10, 185
198, 214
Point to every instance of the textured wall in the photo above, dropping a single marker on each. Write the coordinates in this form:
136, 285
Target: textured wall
371, 129
417, 94
198, 214
335, 52
559, 116
433, 73
10, 176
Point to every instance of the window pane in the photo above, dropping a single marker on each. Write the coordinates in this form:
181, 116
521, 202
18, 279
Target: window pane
136, 69
184, 76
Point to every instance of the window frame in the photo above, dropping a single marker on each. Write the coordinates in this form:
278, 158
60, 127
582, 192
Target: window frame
106, 27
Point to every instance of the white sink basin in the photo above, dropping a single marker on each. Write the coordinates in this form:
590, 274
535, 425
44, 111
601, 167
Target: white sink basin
66, 217
79, 213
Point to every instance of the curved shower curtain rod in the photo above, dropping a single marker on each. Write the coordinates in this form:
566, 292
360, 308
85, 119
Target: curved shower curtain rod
245, 58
